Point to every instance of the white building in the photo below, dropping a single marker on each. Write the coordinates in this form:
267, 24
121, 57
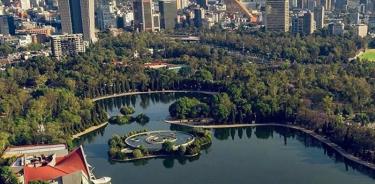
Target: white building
25, 4
24, 40
128, 18
1, 10
362, 30
106, 16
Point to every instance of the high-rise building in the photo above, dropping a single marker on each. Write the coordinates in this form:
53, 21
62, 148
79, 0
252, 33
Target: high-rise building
68, 44
327, 4
362, 30
301, 4
36, 3
308, 23
143, 15
77, 16
371, 21
203, 3
319, 15
277, 15
199, 14
181, 4
156, 17
341, 5
304, 23
106, 16
4, 25
336, 28
168, 14
311, 4
25, 4
7, 25
297, 24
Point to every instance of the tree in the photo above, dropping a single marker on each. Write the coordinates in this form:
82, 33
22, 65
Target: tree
126, 110
168, 146
137, 153
3, 140
203, 75
7, 176
187, 108
222, 107
328, 105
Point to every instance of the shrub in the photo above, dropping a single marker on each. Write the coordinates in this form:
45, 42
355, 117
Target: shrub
126, 110
137, 153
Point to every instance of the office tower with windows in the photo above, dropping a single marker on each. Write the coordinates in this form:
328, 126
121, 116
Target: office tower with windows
78, 17
168, 14
277, 15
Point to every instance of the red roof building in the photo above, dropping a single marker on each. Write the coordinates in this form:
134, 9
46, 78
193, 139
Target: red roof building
72, 163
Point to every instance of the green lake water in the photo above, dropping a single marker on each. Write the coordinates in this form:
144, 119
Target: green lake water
261, 155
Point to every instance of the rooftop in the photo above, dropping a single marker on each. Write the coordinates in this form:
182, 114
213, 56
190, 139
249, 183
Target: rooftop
71, 163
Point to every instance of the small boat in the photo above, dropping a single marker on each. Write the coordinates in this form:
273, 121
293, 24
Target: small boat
103, 180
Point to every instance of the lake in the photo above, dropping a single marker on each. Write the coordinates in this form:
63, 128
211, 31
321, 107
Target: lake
264, 155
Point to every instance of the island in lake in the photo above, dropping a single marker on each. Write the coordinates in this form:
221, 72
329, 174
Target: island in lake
145, 144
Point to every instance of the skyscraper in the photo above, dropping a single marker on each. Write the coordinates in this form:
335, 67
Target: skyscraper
341, 5
327, 4
203, 3
168, 13
143, 15
181, 4
77, 16
199, 14
25, 4
106, 17
319, 17
4, 26
7, 25
308, 23
303, 23
277, 15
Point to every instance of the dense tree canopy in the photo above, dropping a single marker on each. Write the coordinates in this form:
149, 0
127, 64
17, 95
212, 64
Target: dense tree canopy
261, 77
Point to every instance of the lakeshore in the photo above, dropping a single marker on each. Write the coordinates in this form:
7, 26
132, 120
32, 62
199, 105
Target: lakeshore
93, 128
88, 130
150, 157
321, 138
150, 92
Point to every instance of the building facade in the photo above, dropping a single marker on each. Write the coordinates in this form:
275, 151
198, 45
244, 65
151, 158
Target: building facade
106, 15
68, 44
6, 25
168, 14
143, 15
304, 23
336, 28
77, 17
362, 30
277, 15
319, 16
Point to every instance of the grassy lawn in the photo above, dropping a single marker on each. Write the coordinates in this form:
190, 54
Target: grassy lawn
368, 55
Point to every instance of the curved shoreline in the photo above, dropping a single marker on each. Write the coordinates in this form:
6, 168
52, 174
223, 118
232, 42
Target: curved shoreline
320, 138
150, 157
150, 92
88, 130
96, 127
141, 158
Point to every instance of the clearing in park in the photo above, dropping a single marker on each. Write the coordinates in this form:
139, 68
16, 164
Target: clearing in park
368, 55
